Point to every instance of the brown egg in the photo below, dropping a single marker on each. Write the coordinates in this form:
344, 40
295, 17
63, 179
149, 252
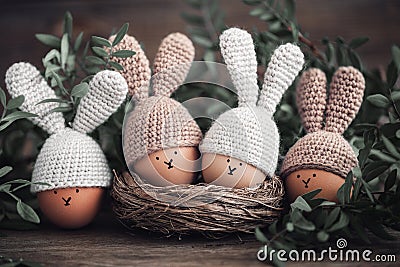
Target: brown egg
307, 180
230, 172
71, 207
170, 166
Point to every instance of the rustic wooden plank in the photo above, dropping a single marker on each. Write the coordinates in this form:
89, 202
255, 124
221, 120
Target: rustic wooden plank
107, 243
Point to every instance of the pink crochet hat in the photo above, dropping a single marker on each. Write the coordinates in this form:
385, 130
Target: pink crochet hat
324, 147
158, 121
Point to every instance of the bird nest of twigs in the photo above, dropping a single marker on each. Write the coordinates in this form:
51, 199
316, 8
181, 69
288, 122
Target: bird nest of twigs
181, 209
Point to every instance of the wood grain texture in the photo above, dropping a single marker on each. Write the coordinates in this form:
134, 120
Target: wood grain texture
107, 243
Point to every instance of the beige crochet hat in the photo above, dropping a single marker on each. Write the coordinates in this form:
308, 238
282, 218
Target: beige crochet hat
249, 132
157, 122
324, 148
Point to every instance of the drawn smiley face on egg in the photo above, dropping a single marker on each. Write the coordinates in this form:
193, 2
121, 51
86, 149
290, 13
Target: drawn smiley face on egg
306, 180
71, 207
230, 172
169, 166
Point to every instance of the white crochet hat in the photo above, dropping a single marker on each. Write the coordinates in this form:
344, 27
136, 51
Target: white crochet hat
69, 157
248, 132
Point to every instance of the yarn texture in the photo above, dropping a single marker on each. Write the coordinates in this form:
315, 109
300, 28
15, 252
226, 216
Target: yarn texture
325, 148
158, 121
249, 132
69, 157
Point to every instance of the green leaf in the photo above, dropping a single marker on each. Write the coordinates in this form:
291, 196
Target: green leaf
123, 53
64, 50
332, 217
95, 60
18, 115
300, 222
368, 190
375, 173
5, 125
54, 53
344, 191
398, 134
383, 156
310, 195
3, 97
342, 223
59, 82
78, 42
290, 9
80, 90
267, 16
15, 102
379, 100
100, 41
116, 65
53, 100
5, 170
395, 96
289, 227
260, 236
295, 32
204, 42
120, 34
391, 180
49, 40
301, 204
391, 74
99, 51
257, 12
26, 212
357, 42
390, 147
396, 55
61, 109
5, 188
67, 25
322, 236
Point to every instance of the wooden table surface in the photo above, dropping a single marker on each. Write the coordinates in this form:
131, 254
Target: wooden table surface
107, 243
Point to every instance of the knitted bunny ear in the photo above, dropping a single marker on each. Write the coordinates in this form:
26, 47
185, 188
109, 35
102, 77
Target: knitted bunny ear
172, 63
237, 48
24, 79
286, 62
136, 71
311, 99
345, 96
107, 91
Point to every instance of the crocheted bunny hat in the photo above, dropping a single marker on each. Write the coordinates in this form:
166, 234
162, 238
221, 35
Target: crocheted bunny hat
249, 132
158, 121
324, 148
69, 157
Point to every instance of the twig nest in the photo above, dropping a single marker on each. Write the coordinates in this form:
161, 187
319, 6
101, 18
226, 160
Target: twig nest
182, 209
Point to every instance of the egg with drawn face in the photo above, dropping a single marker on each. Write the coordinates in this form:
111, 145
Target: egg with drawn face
169, 166
306, 180
71, 207
230, 172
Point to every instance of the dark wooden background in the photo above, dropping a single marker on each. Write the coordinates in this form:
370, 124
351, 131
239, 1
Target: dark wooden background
151, 20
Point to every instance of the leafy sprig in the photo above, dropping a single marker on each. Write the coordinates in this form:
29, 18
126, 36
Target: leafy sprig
68, 69
9, 188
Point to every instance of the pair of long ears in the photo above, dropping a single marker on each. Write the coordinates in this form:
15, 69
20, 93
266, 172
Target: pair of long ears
170, 67
107, 91
238, 51
345, 97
